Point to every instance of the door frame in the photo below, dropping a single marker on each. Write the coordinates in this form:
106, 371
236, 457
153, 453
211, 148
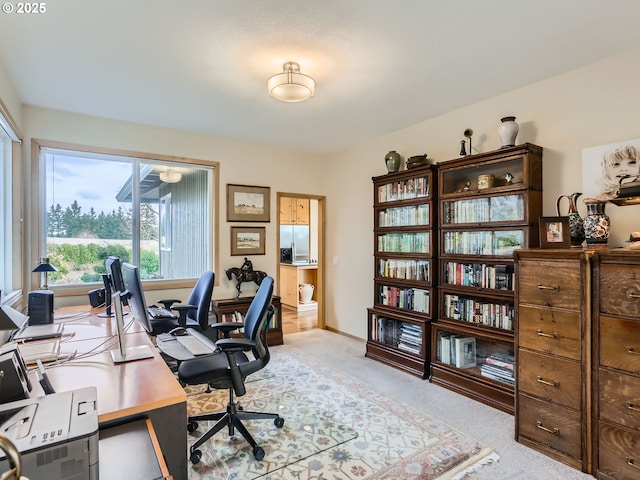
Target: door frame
320, 291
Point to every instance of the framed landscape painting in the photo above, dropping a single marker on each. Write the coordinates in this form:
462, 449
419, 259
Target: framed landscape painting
247, 240
246, 203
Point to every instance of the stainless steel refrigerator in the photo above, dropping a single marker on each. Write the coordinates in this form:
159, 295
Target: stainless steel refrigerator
296, 237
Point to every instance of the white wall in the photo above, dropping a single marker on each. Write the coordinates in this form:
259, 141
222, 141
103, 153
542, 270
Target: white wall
594, 105
240, 163
9, 95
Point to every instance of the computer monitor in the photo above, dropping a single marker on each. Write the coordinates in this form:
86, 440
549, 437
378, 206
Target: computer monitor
114, 270
135, 295
124, 353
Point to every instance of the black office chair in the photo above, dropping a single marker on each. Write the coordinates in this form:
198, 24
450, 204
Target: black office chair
228, 368
194, 313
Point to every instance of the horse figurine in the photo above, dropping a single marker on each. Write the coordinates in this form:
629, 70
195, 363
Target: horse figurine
245, 273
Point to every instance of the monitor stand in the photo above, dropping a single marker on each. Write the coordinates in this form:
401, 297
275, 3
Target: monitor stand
126, 354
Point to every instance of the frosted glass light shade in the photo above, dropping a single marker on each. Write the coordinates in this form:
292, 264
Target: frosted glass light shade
170, 176
291, 85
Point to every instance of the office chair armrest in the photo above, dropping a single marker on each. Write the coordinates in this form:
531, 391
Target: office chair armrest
235, 344
167, 303
226, 327
182, 313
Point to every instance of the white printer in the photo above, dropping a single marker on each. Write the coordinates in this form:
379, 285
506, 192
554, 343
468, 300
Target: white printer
56, 434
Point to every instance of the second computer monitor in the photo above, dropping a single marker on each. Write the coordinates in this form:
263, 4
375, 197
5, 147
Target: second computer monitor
135, 295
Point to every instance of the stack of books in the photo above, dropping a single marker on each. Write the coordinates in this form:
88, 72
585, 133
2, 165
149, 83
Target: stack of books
499, 366
410, 338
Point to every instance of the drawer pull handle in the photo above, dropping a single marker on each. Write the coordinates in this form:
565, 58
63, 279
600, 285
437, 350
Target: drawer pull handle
631, 406
632, 351
550, 335
631, 463
632, 295
555, 431
553, 383
545, 287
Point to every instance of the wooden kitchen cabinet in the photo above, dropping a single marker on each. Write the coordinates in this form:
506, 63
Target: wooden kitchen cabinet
291, 277
294, 211
553, 391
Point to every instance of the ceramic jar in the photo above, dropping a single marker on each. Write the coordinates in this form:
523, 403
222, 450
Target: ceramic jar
393, 160
508, 131
306, 292
576, 224
596, 224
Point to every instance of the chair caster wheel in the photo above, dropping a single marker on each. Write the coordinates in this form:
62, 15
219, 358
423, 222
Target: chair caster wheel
196, 455
279, 422
258, 453
192, 427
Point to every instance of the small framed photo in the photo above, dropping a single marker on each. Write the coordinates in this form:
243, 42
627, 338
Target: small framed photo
554, 232
247, 241
246, 203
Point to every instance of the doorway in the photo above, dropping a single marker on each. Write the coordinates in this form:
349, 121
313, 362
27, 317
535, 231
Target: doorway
301, 261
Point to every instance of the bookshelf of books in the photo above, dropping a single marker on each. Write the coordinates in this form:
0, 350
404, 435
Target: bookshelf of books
404, 270
489, 205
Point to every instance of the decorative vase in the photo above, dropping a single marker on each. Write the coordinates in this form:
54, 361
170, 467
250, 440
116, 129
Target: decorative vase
306, 292
508, 131
596, 224
393, 161
576, 224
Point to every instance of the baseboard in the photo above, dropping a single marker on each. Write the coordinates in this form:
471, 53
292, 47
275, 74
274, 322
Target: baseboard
348, 335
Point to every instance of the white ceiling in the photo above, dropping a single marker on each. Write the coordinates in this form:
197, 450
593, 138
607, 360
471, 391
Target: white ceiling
380, 65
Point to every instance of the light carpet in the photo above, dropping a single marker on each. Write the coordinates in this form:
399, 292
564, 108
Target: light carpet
335, 428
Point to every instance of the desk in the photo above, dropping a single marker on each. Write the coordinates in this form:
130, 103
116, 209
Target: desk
143, 389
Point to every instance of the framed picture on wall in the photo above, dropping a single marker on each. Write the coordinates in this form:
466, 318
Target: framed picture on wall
246, 203
247, 241
554, 232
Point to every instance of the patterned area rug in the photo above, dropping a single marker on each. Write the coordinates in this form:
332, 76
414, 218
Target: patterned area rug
335, 428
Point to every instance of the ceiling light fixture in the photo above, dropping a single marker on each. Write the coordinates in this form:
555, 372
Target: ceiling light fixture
170, 176
291, 85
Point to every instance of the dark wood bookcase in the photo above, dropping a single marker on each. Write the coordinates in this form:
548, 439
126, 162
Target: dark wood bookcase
489, 205
404, 269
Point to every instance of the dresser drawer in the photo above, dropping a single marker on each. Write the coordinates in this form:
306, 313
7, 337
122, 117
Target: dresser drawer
620, 344
550, 425
620, 289
554, 284
550, 378
619, 454
551, 331
620, 399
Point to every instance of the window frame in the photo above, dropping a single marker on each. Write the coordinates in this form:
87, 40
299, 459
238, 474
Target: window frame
11, 207
38, 238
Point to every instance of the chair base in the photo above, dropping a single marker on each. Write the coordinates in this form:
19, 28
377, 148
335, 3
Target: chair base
231, 418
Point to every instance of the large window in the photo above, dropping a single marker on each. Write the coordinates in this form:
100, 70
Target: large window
152, 212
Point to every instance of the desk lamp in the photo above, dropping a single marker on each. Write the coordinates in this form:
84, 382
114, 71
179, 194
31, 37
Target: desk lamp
45, 267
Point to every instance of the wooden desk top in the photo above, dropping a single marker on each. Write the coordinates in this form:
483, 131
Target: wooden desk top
123, 389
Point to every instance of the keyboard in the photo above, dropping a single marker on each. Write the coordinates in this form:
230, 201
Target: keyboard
195, 344
160, 312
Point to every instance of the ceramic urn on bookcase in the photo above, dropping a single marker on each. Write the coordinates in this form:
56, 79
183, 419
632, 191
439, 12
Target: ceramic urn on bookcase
404, 270
489, 205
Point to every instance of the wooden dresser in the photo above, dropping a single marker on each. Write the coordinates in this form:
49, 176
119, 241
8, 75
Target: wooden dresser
616, 361
553, 408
